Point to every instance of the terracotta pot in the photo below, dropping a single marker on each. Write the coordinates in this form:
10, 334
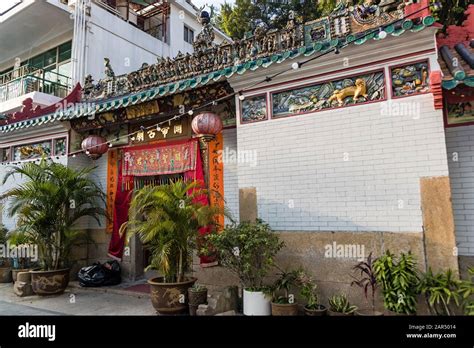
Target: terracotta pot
338, 314
321, 311
5, 275
50, 282
368, 313
284, 309
16, 271
170, 298
195, 299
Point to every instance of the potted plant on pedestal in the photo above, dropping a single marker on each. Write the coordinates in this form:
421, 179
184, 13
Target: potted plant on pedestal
283, 302
197, 295
248, 250
5, 269
48, 205
339, 306
398, 277
309, 291
167, 221
367, 281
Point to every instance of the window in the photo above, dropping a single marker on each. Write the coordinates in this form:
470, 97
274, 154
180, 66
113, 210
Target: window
188, 35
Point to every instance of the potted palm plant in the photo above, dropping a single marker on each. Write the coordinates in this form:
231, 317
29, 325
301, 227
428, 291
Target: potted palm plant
309, 291
339, 306
367, 281
248, 250
5, 269
48, 205
167, 220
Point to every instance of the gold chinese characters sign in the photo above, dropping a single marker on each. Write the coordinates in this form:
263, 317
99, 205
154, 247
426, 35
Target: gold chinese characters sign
143, 109
172, 130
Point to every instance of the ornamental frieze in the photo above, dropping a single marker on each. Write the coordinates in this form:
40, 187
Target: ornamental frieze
347, 22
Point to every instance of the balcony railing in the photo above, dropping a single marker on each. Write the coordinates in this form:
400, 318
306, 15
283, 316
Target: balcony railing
27, 79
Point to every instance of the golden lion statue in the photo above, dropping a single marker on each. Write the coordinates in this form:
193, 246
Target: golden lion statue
360, 89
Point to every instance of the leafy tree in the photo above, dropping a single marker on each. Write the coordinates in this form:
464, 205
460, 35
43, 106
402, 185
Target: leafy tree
242, 17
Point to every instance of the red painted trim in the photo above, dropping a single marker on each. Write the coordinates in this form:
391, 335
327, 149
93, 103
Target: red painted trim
267, 116
391, 67
330, 108
342, 70
28, 111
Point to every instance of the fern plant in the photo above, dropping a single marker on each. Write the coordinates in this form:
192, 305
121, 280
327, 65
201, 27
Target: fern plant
340, 304
167, 220
398, 277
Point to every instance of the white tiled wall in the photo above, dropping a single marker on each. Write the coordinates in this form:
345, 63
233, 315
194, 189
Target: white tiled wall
231, 189
460, 147
351, 169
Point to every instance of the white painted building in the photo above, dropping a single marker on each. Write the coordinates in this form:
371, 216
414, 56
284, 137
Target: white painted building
66, 40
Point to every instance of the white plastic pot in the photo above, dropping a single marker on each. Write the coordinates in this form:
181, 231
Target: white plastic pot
256, 303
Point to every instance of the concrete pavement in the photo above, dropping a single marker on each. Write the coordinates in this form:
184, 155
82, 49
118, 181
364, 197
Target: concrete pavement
75, 301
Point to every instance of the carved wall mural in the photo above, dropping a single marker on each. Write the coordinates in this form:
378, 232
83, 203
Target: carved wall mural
342, 92
410, 79
460, 113
254, 109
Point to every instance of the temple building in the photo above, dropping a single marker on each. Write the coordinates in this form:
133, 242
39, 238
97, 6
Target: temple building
339, 131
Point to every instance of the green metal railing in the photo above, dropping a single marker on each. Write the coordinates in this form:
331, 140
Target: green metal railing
27, 79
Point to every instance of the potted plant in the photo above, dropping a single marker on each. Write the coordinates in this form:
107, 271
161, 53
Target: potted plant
48, 205
466, 289
167, 221
21, 262
309, 291
248, 250
283, 302
5, 269
398, 278
367, 281
442, 292
339, 306
197, 294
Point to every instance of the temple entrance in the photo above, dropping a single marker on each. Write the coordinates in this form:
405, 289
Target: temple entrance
156, 180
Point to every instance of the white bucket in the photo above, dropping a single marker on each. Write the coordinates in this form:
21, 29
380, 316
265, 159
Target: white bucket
256, 303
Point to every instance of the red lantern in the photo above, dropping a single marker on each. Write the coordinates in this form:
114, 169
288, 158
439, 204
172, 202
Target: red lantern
207, 125
94, 146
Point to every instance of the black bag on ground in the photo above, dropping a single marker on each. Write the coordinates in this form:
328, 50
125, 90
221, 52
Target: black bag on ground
100, 274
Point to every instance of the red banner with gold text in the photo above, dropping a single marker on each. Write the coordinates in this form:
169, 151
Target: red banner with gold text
216, 175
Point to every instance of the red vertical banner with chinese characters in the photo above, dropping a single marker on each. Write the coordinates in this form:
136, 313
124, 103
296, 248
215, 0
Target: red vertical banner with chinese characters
216, 175
112, 177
